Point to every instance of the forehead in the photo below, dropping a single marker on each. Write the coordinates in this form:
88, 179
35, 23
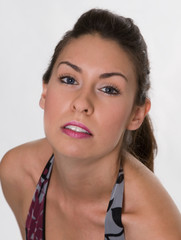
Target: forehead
97, 52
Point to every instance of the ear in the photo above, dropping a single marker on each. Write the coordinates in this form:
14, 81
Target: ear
43, 96
138, 115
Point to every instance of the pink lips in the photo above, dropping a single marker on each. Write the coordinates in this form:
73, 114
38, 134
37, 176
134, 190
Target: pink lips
85, 133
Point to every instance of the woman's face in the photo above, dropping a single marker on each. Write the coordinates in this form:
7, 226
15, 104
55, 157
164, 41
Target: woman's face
88, 102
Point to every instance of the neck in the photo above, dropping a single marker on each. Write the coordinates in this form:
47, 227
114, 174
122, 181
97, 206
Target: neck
86, 180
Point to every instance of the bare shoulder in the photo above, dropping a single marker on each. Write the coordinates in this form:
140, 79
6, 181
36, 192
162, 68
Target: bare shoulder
20, 169
21, 160
149, 211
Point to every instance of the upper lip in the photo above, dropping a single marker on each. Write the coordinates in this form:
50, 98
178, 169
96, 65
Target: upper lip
78, 124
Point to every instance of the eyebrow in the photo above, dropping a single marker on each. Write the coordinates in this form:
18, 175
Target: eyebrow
102, 76
76, 68
112, 74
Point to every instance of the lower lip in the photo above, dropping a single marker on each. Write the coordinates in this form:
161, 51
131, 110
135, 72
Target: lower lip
74, 134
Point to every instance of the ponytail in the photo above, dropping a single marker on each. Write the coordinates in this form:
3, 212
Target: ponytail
142, 144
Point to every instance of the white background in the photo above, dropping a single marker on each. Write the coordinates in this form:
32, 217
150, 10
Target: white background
29, 31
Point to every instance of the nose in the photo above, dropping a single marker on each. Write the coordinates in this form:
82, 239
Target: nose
82, 103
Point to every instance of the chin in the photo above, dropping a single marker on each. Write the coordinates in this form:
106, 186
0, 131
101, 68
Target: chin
72, 152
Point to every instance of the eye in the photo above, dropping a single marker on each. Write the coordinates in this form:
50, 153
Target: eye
111, 90
68, 80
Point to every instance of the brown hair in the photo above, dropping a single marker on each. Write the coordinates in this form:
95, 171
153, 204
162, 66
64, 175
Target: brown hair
141, 142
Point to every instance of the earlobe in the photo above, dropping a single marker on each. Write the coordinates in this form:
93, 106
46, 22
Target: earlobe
43, 96
138, 115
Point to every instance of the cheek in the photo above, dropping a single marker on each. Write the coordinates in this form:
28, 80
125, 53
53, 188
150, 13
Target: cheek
116, 120
50, 105
54, 105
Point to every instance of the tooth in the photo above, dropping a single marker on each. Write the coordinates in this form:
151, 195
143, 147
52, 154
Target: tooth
76, 129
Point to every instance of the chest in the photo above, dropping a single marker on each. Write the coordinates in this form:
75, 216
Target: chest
47, 219
73, 224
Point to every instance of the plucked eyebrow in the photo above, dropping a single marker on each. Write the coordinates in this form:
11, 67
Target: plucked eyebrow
76, 68
112, 74
102, 76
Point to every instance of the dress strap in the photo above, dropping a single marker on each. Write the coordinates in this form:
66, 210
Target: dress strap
113, 225
35, 223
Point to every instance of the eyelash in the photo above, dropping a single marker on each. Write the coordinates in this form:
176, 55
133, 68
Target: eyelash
113, 90
62, 80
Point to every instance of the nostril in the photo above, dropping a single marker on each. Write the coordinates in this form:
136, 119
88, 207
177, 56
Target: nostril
82, 106
79, 109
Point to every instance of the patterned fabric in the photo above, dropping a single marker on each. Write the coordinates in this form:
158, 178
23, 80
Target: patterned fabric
113, 225
35, 223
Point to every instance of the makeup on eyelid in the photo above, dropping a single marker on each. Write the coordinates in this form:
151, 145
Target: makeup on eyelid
113, 89
102, 76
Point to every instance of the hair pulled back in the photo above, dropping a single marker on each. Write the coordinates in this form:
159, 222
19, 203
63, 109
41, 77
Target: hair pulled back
141, 142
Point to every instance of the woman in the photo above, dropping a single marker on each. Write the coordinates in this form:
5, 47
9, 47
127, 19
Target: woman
96, 161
